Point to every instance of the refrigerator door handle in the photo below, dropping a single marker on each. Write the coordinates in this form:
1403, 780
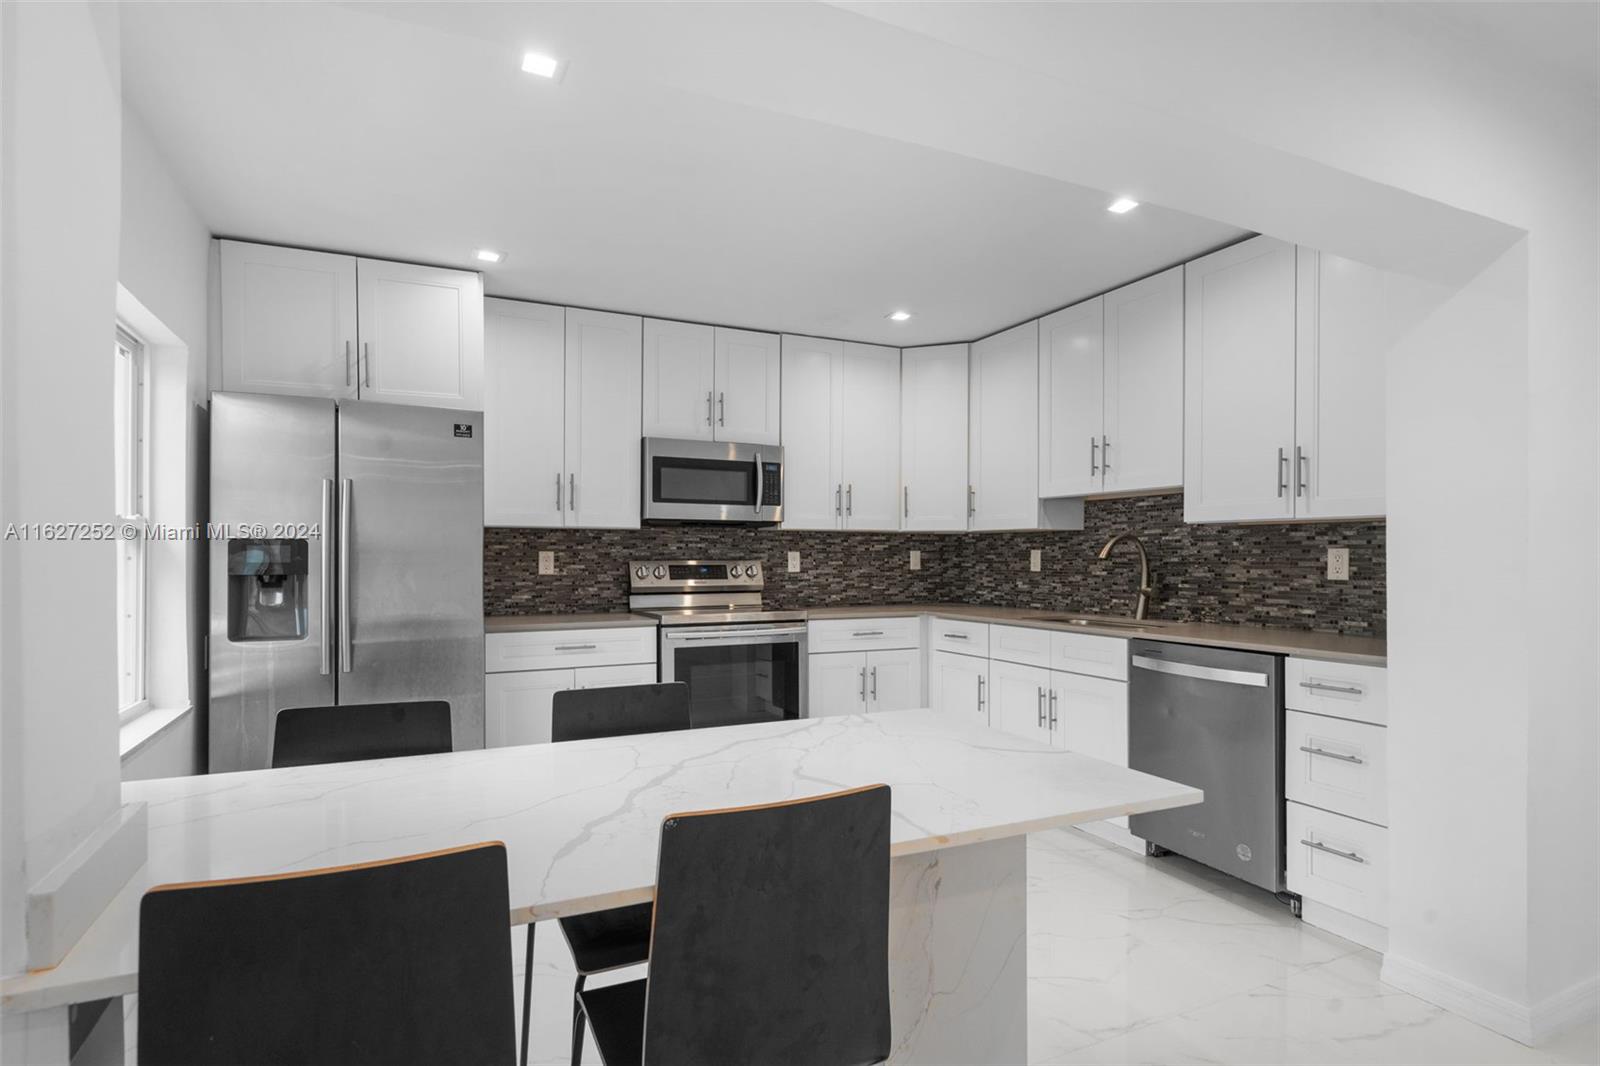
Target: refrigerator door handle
326, 533
344, 575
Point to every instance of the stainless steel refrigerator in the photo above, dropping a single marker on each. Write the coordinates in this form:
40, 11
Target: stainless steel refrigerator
346, 564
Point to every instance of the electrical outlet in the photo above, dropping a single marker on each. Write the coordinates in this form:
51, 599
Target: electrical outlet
547, 562
916, 559
1035, 560
1338, 564
794, 562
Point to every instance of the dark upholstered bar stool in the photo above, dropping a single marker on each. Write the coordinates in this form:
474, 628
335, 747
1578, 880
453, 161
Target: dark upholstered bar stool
400, 961
770, 941
306, 736
611, 939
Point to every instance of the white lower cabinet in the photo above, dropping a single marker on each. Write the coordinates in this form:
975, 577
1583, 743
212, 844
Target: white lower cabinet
854, 682
1338, 861
1337, 765
518, 706
1021, 700
959, 685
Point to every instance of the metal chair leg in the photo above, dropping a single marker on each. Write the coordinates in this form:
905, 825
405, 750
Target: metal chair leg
577, 1022
527, 996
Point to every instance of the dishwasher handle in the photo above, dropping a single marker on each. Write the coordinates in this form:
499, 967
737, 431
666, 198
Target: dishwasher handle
1251, 678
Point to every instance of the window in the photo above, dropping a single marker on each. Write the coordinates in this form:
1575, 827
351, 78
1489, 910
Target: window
132, 482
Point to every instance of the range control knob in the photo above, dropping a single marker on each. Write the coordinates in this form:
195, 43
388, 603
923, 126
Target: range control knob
752, 570
735, 570
659, 572
641, 573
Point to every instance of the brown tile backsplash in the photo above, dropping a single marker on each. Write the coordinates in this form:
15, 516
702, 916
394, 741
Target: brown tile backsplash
1255, 574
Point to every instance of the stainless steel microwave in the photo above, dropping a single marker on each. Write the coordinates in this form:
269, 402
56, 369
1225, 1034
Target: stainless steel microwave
711, 481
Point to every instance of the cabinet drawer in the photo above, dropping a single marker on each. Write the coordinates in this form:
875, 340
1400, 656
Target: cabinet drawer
1343, 690
553, 649
1085, 653
864, 634
1338, 861
1017, 644
1338, 765
613, 676
963, 638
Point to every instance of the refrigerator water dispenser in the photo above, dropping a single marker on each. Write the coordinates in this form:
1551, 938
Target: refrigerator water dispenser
267, 590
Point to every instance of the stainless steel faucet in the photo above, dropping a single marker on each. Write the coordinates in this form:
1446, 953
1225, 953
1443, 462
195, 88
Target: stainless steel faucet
1145, 591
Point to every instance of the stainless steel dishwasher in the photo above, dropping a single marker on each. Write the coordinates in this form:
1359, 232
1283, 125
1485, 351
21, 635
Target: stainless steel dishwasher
1212, 719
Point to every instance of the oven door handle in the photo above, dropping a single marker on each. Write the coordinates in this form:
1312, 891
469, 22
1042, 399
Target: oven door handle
733, 636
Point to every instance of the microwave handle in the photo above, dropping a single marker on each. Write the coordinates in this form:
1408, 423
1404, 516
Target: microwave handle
760, 486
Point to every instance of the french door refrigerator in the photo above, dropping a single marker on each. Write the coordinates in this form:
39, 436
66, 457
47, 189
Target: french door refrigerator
346, 564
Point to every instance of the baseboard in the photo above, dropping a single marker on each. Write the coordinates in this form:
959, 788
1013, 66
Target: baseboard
67, 900
1342, 923
1528, 1025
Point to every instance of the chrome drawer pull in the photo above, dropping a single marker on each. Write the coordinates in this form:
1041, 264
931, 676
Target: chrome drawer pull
956, 636
1352, 856
1318, 686
576, 647
1333, 755
868, 633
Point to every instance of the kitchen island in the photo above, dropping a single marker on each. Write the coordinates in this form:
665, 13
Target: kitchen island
580, 822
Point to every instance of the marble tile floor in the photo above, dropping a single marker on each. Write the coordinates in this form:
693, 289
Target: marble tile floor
1135, 960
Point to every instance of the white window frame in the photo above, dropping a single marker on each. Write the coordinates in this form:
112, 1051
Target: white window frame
132, 460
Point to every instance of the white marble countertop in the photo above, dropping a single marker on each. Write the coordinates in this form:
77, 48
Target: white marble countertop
581, 820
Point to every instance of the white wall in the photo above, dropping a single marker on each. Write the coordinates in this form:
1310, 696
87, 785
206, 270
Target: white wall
59, 208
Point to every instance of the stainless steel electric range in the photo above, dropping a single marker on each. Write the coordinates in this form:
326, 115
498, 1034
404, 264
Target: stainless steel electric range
742, 661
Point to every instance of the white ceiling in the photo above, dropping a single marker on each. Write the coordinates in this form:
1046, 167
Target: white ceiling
408, 131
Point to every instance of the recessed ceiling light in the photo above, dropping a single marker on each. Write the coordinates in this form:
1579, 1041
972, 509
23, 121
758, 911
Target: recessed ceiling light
487, 255
898, 316
1122, 205
542, 65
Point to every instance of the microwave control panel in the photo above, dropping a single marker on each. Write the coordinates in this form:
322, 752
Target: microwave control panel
771, 484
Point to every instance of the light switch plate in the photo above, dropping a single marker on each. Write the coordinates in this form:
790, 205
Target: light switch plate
1338, 564
547, 562
794, 562
916, 559
1035, 560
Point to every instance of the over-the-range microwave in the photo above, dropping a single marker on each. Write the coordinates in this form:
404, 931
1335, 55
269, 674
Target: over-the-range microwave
711, 481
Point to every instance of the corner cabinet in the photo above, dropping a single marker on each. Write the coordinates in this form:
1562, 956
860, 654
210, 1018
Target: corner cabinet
304, 323
1003, 431
841, 435
933, 438
1284, 370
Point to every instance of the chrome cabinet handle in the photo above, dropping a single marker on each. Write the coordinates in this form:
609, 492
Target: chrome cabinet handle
576, 647
1094, 456
345, 650
327, 566
1282, 473
957, 636
347, 381
558, 491
1052, 708
1318, 686
838, 500
1332, 755
1299, 471
1352, 856
972, 501
908, 501
868, 633
863, 684
1105, 454
722, 409
1041, 707
708, 408
874, 684
849, 500
761, 485
980, 691
366, 370
572, 493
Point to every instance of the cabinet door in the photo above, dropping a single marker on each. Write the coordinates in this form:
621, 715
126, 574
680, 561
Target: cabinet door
1021, 700
1091, 718
1238, 365
678, 380
602, 431
836, 683
1346, 330
959, 685
871, 436
288, 321
933, 438
813, 488
517, 706
1144, 385
524, 370
1071, 419
747, 386
421, 334
894, 679
1003, 461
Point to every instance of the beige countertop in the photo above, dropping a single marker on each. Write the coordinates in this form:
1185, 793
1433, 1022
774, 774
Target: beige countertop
527, 623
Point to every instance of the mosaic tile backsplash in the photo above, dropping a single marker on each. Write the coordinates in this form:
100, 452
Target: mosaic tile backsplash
1253, 574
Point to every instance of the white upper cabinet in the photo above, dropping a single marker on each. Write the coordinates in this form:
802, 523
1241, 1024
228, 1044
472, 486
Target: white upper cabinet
1142, 442
1071, 389
524, 413
1347, 324
679, 399
870, 433
304, 323
288, 321
603, 383
421, 334
813, 486
1239, 369
1003, 430
933, 438
747, 374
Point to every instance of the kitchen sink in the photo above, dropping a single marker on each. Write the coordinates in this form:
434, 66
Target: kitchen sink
1109, 623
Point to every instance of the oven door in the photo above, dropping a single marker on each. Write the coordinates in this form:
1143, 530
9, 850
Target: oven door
738, 674
707, 481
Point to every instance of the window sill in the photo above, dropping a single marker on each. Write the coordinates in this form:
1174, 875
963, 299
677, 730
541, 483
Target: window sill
139, 731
